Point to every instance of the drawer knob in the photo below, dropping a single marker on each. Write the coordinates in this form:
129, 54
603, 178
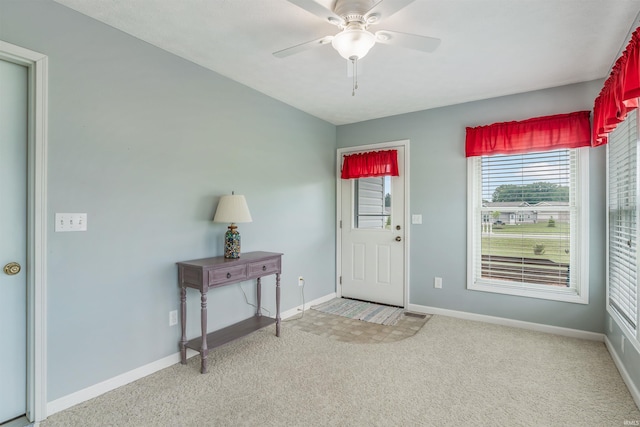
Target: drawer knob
228, 275
264, 268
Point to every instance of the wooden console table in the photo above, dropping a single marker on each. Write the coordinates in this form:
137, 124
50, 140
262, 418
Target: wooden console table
207, 273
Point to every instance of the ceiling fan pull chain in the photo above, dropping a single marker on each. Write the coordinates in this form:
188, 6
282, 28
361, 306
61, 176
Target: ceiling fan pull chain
355, 74
354, 61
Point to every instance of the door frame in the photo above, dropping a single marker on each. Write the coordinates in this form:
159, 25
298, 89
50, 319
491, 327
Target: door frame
37, 130
406, 241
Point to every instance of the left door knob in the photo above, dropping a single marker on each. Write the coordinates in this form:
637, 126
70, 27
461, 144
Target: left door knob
12, 268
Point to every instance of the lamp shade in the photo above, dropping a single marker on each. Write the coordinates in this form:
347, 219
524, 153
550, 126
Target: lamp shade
353, 43
232, 209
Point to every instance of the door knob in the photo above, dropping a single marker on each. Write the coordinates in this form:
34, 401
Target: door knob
12, 268
398, 239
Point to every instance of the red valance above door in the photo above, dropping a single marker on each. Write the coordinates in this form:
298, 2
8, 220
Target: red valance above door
369, 164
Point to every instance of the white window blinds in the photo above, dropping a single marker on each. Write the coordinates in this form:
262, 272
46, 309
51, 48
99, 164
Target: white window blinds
623, 220
527, 219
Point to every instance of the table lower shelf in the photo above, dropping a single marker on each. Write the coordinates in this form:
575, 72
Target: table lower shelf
232, 332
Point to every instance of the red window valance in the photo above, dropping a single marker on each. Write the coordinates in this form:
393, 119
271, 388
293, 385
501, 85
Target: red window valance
620, 93
570, 130
371, 163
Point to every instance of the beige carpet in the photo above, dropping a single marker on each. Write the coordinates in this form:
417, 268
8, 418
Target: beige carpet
451, 373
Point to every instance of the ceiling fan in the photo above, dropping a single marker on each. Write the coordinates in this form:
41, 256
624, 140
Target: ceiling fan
354, 41
354, 17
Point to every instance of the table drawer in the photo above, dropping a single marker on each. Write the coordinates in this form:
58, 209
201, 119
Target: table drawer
229, 274
262, 268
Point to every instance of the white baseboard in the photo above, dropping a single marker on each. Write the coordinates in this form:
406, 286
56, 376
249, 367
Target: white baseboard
296, 310
557, 330
128, 377
635, 393
110, 384
113, 383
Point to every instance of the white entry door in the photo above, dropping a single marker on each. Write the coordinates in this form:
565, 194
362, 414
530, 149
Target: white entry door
13, 238
372, 237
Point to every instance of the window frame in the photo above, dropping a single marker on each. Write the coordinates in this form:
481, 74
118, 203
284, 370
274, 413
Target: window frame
579, 241
633, 336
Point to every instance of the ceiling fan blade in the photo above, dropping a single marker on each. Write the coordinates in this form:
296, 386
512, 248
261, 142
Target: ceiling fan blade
302, 47
384, 9
410, 41
318, 10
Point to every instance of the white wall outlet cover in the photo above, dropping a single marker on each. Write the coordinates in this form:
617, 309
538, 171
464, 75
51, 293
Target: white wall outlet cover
173, 317
416, 219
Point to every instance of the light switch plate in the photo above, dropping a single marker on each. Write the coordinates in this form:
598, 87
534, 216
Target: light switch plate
71, 222
416, 219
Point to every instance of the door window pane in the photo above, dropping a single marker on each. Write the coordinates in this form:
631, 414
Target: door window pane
372, 203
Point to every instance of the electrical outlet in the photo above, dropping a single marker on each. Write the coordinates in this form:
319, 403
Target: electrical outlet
173, 317
300, 281
437, 282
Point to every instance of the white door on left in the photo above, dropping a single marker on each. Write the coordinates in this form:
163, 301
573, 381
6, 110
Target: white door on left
13, 240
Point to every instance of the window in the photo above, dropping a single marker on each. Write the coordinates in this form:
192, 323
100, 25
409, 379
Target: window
372, 203
527, 224
622, 268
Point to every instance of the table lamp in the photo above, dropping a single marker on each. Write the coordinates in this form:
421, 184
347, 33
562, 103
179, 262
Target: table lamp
232, 209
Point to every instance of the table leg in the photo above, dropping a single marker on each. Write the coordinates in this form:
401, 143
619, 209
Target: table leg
204, 351
259, 297
277, 304
183, 325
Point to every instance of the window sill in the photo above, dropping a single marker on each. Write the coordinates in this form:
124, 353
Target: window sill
555, 294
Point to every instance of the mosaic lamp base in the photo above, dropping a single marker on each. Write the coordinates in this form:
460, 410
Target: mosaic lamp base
232, 242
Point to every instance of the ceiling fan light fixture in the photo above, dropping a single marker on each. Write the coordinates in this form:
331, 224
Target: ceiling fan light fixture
353, 43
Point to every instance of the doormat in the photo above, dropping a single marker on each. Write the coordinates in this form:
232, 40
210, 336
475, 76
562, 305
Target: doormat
360, 310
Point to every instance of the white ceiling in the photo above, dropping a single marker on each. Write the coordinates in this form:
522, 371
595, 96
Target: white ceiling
489, 48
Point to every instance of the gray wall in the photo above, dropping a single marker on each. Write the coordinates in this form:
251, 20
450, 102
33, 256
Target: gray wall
438, 191
145, 143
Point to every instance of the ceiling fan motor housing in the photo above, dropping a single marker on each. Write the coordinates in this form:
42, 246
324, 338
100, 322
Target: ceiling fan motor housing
353, 10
